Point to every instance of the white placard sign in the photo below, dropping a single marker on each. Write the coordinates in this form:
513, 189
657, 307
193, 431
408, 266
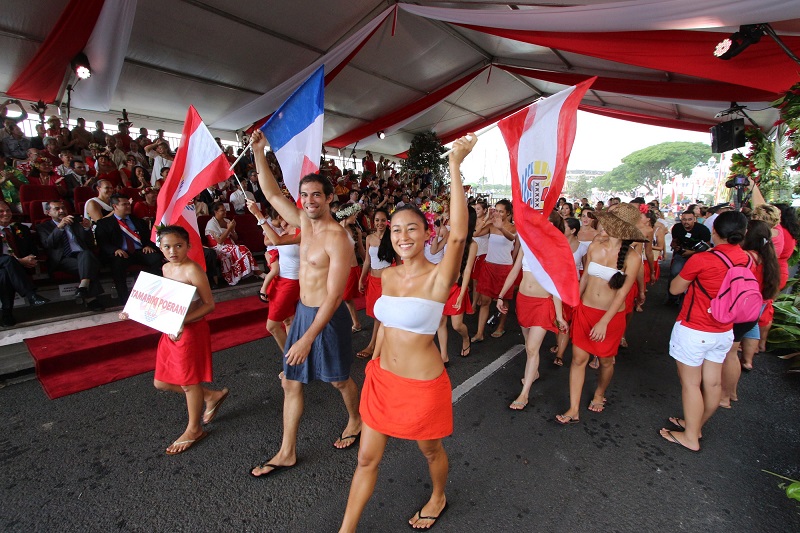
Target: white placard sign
159, 303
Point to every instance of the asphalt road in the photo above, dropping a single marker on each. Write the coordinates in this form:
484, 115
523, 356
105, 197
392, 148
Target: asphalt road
95, 461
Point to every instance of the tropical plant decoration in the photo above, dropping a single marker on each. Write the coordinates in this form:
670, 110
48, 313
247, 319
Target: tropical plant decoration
789, 106
785, 331
426, 151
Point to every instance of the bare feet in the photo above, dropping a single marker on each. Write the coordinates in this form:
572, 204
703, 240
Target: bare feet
678, 437
476, 339
186, 441
558, 361
273, 464
623, 343
426, 517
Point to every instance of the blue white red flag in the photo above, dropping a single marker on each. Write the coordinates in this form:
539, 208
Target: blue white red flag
294, 131
199, 163
539, 140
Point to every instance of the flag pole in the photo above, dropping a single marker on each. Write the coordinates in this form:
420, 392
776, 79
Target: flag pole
244, 152
478, 134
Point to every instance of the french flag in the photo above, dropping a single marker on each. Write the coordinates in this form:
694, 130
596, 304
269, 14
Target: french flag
294, 131
199, 163
539, 140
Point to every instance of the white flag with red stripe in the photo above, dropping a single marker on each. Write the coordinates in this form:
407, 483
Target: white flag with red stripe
198, 164
539, 140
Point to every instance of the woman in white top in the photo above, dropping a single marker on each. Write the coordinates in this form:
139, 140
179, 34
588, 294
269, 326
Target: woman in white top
407, 393
379, 256
236, 260
571, 228
160, 153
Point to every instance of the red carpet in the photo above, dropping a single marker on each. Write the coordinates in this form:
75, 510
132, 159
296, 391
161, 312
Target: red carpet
81, 359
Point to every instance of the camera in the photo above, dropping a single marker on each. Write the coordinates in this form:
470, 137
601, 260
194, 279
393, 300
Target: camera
701, 247
739, 180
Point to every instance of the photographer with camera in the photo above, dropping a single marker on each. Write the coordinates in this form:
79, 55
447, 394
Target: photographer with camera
688, 238
68, 240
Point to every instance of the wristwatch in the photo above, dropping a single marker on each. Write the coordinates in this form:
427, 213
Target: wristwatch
261, 221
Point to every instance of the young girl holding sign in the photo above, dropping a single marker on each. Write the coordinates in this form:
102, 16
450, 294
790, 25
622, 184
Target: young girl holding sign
183, 361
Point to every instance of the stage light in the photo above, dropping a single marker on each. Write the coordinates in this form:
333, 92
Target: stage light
734, 45
381, 135
80, 64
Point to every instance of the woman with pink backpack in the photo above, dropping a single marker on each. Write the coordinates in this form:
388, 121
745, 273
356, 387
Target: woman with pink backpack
699, 342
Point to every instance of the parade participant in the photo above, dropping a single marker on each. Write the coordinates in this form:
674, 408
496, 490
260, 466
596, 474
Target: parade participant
482, 213
407, 392
598, 321
183, 361
347, 218
588, 229
699, 343
318, 346
379, 256
571, 230
500, 257
458, 302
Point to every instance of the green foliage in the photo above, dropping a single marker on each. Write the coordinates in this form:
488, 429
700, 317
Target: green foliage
785, 331
645, 167
792, 490
426, 151
580, 188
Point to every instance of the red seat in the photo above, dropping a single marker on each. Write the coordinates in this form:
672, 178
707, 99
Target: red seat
32, 196
202, 220
133, 194
249, 233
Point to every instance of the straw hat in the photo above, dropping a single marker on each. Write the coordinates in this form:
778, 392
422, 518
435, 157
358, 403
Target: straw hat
621, 222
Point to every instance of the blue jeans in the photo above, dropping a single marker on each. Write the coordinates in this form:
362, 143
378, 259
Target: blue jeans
675, 267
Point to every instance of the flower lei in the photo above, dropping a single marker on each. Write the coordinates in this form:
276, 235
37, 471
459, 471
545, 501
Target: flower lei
348, 211
431, 206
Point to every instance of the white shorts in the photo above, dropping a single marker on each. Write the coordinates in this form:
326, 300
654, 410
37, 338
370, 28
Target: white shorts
691, 346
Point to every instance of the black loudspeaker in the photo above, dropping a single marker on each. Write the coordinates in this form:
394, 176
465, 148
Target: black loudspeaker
727, 135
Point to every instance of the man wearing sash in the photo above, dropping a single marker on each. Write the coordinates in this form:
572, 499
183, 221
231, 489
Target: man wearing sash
124, 240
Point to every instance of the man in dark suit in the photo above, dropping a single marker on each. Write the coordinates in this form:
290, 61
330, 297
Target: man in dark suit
67, 240
125, 240
253, 187
18, 252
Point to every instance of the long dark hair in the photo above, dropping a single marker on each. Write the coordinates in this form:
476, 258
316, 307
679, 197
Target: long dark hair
385, 250
574, 225
731, 226
759, 239
789, 220
618, 280
472, 219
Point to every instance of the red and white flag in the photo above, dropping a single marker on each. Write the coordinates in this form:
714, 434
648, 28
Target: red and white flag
198, 164
539, 140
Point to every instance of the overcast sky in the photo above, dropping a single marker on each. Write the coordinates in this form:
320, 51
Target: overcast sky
600, 144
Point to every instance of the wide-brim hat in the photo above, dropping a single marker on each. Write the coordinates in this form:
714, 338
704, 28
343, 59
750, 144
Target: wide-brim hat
621, 222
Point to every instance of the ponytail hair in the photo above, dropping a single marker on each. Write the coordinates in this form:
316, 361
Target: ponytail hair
759, 239
618, 280
472, 219
731, 226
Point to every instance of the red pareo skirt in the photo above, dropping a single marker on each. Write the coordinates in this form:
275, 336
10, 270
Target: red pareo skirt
406, 408
477, 266
466, 303
492, 279
351, 289
187, 361
583, 320
374, 290
630, 299
284, 293
533, 311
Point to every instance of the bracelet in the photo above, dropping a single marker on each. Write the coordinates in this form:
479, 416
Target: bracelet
261, 221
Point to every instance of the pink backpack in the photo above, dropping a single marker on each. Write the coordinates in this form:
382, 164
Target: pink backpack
739, 298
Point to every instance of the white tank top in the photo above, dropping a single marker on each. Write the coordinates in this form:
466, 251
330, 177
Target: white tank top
500, 250
104, 206
483, 244
434, 258
374, 262
289, 261
577, 255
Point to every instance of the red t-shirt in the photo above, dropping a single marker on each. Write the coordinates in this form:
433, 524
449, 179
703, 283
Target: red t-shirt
710, 271
789, 245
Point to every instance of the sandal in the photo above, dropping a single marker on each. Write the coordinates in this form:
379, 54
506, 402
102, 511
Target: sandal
558, 361
466, 351
263, 297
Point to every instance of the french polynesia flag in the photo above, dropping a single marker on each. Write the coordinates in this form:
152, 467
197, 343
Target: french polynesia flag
199, 163
539, 140
294, 131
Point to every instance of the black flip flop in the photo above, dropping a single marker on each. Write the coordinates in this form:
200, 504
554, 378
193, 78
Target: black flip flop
355, 438
275, 469
263, 297
434, 518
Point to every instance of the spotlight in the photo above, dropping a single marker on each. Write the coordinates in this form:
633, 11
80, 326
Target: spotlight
381, 135
80, 64
735, 44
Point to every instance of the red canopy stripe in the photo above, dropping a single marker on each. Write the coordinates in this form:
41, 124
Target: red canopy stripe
762, 66
641, 118
702, 90
404, 113
44, 74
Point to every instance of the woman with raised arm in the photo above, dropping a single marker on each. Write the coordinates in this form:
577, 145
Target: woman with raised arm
407, 392
598, 322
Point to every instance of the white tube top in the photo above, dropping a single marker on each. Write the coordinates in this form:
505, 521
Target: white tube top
374, 262
599, 271
416, 315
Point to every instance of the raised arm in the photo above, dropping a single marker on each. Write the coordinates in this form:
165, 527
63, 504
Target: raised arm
451, 262
269, 185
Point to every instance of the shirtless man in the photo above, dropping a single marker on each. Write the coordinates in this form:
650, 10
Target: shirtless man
319, 342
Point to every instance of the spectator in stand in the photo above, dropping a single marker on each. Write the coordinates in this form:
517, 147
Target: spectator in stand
238, 200
699, 343
38, 141
62, 169
26, 166
254, 188
15, 144
76, 176
11, 180
341, 190
5, 119
18, 252
236, 260
140, 177
688, 238
52, 151
200, 207
123, 138
81, 136
159, 152
163, 178
117, 156
147, 209
124, 240
107, 170
68, 241
65, 139
100, 206
43, 174
53, 126
99, 135
126, 172
143, 139
369, 164
136, 152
